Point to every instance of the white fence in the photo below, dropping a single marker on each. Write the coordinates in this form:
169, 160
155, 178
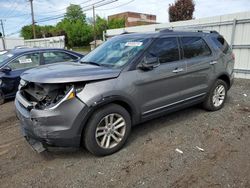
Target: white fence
11, 42
234, 27
50, 42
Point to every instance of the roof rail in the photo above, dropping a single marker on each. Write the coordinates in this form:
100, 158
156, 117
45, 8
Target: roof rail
201, 30
166, 30
188, 30
126, 32
207, 31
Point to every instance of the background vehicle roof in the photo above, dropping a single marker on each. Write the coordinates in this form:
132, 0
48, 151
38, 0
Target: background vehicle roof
24, 50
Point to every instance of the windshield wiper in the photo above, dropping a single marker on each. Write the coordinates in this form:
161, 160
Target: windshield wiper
90, 63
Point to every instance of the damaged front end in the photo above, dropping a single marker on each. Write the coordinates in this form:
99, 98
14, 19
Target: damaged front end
50, 114
46, 96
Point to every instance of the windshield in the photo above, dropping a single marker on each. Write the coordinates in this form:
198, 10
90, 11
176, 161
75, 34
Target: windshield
5, 56
116, 52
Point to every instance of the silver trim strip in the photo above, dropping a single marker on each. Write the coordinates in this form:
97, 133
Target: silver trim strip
178, 70
155, 109
22, 100
213, 62
62, 100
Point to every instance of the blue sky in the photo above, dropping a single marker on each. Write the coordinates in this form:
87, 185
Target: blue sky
16, 13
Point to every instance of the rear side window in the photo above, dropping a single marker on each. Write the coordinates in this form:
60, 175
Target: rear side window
166, 49
25, 61
221, 43
55, 57
194, 47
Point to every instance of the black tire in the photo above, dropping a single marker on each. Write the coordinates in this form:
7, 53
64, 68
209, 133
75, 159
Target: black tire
90, 139
2, 98
208, 104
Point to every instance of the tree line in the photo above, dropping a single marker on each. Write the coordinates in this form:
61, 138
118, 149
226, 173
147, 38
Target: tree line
79, 31
75, 26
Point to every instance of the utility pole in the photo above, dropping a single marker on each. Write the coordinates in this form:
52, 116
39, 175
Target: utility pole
94, 22
33, 19
92, 7
3, 35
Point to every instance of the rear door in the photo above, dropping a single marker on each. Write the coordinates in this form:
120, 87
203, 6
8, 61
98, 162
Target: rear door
198, 57
18, 66
161, 87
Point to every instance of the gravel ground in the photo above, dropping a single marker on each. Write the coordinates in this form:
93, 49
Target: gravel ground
149, 159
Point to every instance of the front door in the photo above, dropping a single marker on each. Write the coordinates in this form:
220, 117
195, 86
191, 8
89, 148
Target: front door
161, 87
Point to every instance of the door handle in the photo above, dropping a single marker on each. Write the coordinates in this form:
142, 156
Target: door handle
178, 70
213, 62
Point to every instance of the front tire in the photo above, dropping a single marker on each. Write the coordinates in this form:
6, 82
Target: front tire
216, 98
107, 130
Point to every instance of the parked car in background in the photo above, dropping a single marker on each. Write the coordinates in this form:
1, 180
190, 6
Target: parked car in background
127, 80
14, 62
3, 52
21, 47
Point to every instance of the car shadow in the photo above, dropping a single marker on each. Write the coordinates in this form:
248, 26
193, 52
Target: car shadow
168, 120
138, 131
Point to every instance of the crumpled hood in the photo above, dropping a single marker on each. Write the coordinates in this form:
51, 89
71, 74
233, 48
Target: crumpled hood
68, 72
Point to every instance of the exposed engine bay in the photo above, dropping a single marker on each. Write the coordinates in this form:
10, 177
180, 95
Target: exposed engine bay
44, 95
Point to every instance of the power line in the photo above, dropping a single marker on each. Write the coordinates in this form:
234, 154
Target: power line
11, 5
97, 4
94, 21
118, 5
14, 5
50, 18
15, 15
64, 9
59, 10
13, 33
22, 22
87, 8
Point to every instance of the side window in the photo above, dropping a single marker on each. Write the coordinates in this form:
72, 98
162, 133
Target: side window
55, 57
194, 47
166, 49
221, 43
25, 61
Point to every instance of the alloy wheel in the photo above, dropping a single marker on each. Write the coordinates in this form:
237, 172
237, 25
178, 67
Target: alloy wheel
219, 95
110, 131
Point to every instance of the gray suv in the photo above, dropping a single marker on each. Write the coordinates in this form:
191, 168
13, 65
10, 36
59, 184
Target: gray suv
127, 80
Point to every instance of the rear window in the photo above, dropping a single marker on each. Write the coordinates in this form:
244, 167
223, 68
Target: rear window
221, 43
194, 47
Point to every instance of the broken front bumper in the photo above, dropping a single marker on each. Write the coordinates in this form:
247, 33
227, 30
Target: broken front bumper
60, 127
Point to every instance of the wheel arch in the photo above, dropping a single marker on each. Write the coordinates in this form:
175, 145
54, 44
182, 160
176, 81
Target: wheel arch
125, 103
226, 79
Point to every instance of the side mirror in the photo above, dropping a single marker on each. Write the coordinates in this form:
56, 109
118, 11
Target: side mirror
148, 63
6, 69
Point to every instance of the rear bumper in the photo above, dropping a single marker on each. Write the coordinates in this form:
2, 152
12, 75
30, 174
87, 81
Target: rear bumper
60, 127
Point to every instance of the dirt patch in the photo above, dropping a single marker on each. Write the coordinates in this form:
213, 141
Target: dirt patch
149, 159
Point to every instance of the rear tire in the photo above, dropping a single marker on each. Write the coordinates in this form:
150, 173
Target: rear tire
107, 130
2, 98
216, 98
